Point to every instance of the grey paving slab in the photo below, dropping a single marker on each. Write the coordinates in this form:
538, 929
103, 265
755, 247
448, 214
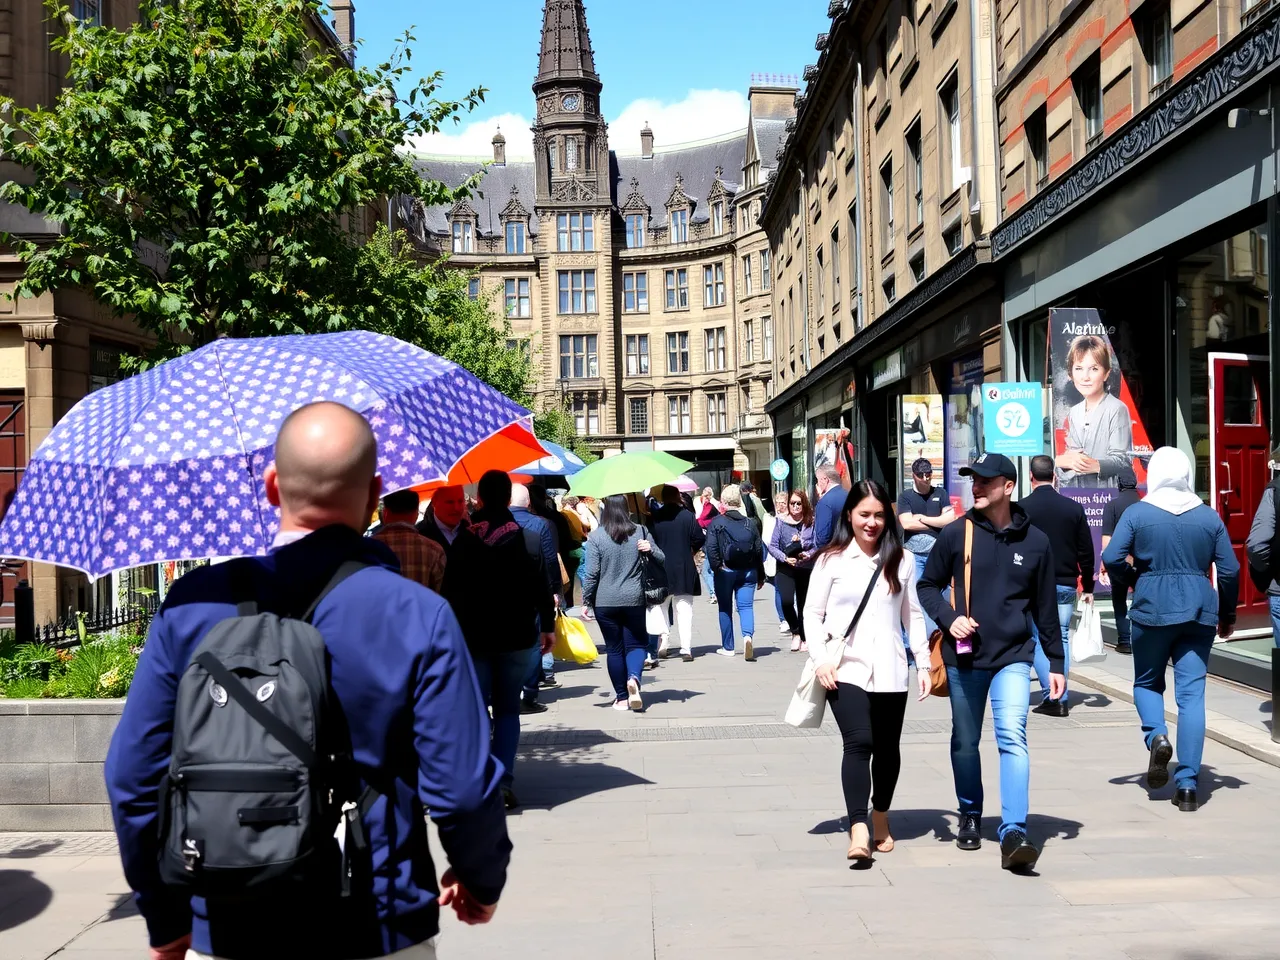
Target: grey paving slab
705, 828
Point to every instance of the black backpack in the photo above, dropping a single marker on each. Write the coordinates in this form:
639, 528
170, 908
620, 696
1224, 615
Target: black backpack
260, 775
740, 546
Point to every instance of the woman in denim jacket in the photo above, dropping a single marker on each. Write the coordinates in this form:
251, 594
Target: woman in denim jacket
1174, 540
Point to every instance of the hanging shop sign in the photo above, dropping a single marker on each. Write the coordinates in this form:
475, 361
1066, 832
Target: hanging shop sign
1013, 418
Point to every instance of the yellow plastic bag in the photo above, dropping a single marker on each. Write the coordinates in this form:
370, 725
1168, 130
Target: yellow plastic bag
573, 642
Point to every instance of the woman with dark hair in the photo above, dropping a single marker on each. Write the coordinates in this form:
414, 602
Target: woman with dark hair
865, 669
613, 587
791, 545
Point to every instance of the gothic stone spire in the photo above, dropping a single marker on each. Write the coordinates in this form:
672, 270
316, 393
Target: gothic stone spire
566, 46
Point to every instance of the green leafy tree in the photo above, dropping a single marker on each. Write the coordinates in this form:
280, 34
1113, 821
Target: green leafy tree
206, 165
430, 305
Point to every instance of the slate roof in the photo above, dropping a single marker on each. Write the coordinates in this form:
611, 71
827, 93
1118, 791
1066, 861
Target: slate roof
769, 134
695, 163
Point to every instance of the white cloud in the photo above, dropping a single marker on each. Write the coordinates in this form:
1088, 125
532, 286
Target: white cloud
700, 115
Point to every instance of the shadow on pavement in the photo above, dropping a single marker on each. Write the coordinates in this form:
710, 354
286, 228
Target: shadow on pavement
32, 849
906, 825
547, 778
556, 694
1076, 699
125, 907
1209, 783
24, 898
669, 696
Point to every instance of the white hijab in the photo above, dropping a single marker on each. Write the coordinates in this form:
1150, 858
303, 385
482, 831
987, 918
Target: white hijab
1169, 482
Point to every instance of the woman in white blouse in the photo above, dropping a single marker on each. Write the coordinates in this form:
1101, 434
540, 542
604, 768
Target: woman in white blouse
868, 683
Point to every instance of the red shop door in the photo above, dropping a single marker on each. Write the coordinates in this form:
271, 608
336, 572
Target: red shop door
1239, 446
13, 460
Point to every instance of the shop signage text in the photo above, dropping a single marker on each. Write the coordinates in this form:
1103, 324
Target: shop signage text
1014, 418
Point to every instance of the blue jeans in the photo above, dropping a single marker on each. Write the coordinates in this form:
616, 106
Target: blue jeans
1010, 692
542, 665
501, 676
708, 577
1066, 605
625, 643
1120, 607
1187, 645
736, 588
929, 624
1274, 604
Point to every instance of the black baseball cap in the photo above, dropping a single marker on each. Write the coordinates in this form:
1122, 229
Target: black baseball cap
991, 465
923, 467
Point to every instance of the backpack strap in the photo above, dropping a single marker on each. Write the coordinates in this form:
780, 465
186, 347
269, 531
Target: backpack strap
244, 591
343, 572
241, 694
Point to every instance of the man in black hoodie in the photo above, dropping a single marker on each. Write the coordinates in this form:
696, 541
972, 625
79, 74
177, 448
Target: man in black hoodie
989, 648
1062, 520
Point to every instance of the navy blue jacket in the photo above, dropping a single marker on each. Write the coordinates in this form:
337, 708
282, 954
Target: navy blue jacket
1172, 555
826, 513
528, 520
419, 732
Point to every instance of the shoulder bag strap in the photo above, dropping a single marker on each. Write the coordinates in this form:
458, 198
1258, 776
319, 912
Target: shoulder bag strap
968, 562
865, 597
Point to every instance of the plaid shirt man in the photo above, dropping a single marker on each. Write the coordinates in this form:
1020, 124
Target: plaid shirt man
421, 559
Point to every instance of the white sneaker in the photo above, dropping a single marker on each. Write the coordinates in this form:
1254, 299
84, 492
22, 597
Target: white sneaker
633, 695
748, 649
725, 653
784, 629
621, 705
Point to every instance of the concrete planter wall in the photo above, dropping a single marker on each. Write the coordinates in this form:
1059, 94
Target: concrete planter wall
51, 758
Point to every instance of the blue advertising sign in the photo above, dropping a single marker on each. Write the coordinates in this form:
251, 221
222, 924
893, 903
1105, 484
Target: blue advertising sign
1013, 416
779, 470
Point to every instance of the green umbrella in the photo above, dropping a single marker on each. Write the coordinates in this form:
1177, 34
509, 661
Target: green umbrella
627, 473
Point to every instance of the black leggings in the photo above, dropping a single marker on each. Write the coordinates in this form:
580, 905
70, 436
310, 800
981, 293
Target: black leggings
793, 584
871, 725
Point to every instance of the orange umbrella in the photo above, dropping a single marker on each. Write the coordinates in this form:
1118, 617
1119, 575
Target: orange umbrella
508, 449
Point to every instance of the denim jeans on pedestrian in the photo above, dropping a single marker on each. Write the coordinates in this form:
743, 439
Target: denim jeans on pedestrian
1066, 606
1120, 607
542, 666
736, 588
1274, 604
501, 676
708, 576
1187, 645
625, 643
1010, 691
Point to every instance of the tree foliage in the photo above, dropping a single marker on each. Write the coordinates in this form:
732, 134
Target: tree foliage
205, 165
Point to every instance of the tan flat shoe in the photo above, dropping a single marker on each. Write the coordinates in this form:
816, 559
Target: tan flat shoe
884, 838
859, 843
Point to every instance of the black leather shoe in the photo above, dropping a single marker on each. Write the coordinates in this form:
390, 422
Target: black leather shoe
969, 836
1158, 768
1052, 708
532, 706
1186, 801
509, 799
1125, 647
1017, 852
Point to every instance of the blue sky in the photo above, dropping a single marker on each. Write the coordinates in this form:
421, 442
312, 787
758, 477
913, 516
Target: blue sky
684, 72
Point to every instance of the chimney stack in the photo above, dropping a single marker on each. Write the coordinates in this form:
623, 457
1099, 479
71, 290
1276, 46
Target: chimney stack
499, 148
646, 142
344, 19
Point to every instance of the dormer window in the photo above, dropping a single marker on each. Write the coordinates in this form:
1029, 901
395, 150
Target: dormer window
515, 237
463, 237
717, 219
635, 231
679, 226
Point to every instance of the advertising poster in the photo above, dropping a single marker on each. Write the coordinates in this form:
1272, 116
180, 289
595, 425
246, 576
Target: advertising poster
833, 446
1014, 415
1097, 432
922, 433
963, 407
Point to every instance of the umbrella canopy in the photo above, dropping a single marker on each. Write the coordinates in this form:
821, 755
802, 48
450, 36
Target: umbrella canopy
627, 473
685, 485
506, 450
558, 462
168, 465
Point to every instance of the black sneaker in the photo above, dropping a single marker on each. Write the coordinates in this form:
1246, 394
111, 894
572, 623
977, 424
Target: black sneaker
1125, 647
1052, 708
509, 798
532, 706
1017, 852
1158, 767
549, 682
969, 836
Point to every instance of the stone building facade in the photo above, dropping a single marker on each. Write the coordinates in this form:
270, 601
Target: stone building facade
637, 277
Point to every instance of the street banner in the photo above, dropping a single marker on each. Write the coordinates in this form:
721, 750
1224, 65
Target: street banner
1013, 415
963, 407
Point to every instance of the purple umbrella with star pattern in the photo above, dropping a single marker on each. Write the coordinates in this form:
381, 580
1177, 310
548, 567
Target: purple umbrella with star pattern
167, 465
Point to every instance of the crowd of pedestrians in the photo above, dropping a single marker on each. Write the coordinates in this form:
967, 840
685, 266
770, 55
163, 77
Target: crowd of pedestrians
427, 685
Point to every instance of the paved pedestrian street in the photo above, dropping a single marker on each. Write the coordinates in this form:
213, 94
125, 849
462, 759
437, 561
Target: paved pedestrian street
708, 829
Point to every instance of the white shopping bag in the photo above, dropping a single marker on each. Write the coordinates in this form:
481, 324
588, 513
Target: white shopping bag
1086, 639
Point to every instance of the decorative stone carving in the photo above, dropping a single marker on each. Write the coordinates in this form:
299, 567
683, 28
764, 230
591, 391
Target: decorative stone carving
574, 190
821, 43
568, 261
462, 210
1196, 95
45, 331
514, 210
810, 72
635, 202
678, 197
834, 8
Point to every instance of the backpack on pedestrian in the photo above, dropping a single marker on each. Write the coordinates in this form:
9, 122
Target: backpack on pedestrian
740, 544
261, 794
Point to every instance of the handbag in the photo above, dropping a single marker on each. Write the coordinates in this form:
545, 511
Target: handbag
653, 576
938, 686
809, 701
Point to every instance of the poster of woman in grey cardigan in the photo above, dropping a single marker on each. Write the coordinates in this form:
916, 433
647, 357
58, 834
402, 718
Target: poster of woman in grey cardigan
1093, 427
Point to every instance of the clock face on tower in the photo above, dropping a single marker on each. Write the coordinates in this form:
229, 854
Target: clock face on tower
571, 102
